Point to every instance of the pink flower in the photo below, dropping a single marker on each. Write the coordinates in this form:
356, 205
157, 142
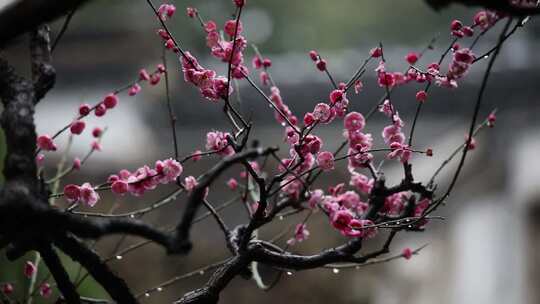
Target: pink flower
376, 52
491, 119
191, 12
401, 151
166, 10
29, 269
230, 28
232, 184
239, 3
143, 74
39, 159
267, 63
72, 193
110, 101
412, 58
45, 142
323, 113
96, 132
354, 121
265, 79
358, 86
7, 289
386, 79
96, 146
134, 90
315, 198
168, 170
217, 141
362, 182
256, 62
468, 31
154, 79
76, 163
197, 155
45, 290
341, 219
394, 204
387, 108
456, 25
120, 187
421, 206
165, 36
361, 225
84, 109
210, 26
471, 143
313, 55
100, 110
325, 160
407, 253
77, 127
349, 199
337, 96
464, 55
300, 234
190, 183
161, 68
393, 134
309, 119
321, 65
421, 96
88, 195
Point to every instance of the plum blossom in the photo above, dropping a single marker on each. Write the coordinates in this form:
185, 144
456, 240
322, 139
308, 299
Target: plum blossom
29, 269
45, 290
190, 183
45, 142
407, 253
217, 141
323, 113
401, 151
325, 160
77, 127
300, 234
89, 196
315, 198
394, 204
232, 184
168, 170
72, 193
354, 121
7, 289
361, 182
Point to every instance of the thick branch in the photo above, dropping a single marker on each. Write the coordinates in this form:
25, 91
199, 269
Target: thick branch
17, 120
20, 16
66, 287
504, 6
43, 73
115, 286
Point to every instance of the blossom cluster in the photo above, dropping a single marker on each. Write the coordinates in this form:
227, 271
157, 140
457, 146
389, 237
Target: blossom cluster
145, 178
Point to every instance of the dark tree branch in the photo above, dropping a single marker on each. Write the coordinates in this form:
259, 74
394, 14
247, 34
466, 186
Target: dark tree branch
498, 5
115, 286
21, 16
43, 73
209, 294
198, 194
17, 120
66, 287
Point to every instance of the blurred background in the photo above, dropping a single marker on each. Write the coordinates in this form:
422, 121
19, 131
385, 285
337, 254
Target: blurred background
485, 251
